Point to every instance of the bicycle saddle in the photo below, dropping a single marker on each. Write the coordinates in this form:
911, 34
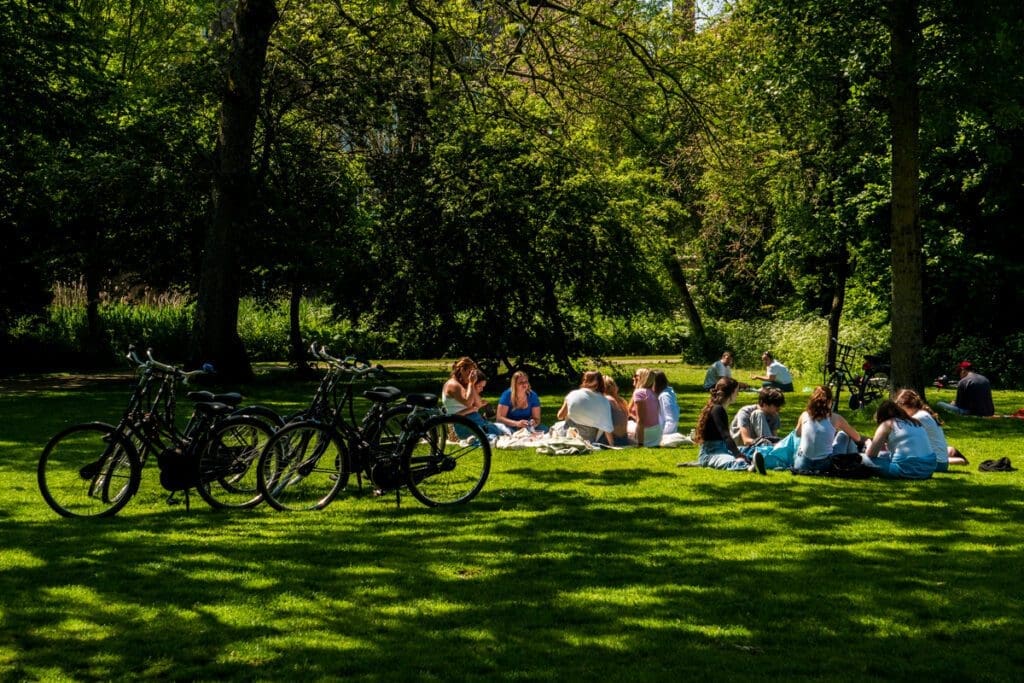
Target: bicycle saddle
382, 394
213, 408
232, 399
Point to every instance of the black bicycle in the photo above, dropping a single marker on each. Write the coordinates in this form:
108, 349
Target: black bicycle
94, 469
865, 386
402, 441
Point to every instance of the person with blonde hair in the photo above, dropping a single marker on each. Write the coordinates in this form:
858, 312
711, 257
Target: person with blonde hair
645, 410
620, 413
945, 455
587, 409
519, 405
900, 448
717, 449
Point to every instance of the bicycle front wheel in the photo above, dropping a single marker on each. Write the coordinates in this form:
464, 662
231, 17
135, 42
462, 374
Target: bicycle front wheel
448, 462
227, 462
88, 470
302, 467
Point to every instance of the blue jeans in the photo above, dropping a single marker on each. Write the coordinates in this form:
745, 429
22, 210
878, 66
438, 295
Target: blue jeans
902, 468
490, 429
716, 455
951, 408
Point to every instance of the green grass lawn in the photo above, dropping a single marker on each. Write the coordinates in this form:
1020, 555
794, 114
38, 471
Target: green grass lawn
612, 566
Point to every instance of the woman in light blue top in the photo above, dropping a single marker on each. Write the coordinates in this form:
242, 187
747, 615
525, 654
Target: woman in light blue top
900, 448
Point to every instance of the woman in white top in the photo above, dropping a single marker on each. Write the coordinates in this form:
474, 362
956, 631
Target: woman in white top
461, 397
817, 429
915, 407
588, 410
900, 448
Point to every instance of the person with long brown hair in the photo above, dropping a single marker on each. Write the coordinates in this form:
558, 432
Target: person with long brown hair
915, 407
900, 448
587, 409
460, 395
717, 449
519, 405
821, 432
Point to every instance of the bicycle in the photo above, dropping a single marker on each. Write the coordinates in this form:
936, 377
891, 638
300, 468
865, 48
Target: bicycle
94, 469
413, 445
865, 387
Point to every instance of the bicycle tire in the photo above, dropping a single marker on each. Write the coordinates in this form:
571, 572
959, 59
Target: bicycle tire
268, 415
88, 470
302, 467
874, 387
442, 469
228, 458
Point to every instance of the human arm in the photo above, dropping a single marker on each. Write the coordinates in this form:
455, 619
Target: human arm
840, 423
880, 439
563, 412
502, 417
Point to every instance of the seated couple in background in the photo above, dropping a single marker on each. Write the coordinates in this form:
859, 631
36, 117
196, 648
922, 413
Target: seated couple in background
775, 374
601, 415
518, 407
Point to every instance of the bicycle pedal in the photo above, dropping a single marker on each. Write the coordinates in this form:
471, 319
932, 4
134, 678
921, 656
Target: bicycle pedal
172, 500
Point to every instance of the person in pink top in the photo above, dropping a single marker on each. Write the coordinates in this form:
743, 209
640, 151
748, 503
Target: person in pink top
644, 409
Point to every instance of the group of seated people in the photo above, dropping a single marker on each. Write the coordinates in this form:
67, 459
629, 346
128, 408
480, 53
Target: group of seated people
908, 442
775, 374
595, 409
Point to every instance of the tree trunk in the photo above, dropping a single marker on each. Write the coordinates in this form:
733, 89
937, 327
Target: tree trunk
215, 330
835, 314
554, 318
678, 277
296, 348
907, 241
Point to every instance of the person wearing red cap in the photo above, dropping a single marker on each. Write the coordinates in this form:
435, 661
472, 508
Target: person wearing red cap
973, 394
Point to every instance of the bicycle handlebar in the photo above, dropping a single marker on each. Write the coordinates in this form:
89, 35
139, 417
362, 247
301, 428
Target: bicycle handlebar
352, 365
154, 364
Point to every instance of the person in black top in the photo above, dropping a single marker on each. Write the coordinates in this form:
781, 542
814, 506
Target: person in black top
973, 394
717, 448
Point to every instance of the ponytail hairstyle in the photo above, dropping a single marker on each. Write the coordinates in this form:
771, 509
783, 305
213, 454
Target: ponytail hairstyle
720, 393
819, 405
908, 398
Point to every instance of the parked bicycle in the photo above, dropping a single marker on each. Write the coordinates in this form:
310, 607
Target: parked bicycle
866, 386
401, 442
94, 469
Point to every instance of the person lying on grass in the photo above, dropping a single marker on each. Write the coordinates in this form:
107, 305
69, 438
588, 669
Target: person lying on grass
717, 449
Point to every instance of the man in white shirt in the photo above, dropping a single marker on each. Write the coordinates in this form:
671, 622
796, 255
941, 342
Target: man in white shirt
775, 373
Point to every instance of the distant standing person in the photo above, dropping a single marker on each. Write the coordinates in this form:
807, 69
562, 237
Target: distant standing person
775, 373
973, 394
719, 369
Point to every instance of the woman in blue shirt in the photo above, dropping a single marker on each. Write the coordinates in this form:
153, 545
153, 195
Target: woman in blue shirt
519, 405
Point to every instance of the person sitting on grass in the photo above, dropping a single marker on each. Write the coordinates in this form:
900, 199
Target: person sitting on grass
620, 414
644, 410
460, 395
717, 449
668, 413
819, 435
587, 409
719, 369
915, 407
900, 448
759, 422
973, 394
519, 405
775, 373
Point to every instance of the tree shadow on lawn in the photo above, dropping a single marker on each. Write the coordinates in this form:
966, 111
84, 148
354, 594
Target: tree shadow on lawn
875, 578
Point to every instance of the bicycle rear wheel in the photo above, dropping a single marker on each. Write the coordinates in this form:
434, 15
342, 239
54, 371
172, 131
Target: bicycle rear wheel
88, 470
227, 462
441, 467
302, 467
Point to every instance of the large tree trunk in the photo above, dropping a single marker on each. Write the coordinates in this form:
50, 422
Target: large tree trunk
215, 331
835, 314
907, 241
678, 277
